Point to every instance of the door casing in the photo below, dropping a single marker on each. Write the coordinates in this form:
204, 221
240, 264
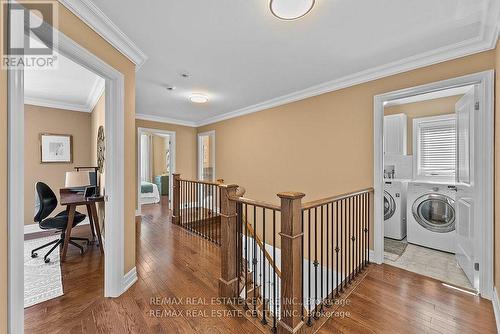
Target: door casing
484, 157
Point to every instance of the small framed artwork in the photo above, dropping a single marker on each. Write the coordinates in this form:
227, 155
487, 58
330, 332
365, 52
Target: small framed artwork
56, 148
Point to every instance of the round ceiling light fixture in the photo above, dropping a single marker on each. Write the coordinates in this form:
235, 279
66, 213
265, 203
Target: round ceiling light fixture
198, 98
290, 9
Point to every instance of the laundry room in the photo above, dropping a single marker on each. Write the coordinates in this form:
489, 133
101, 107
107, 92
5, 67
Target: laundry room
429, 189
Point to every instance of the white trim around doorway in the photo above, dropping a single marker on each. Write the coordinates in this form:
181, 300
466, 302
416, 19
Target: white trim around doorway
171, 134
485, 172
115, 280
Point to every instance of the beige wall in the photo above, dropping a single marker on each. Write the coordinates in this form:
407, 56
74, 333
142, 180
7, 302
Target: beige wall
38, 120
159, 155
97, 119
75, 29
436, 107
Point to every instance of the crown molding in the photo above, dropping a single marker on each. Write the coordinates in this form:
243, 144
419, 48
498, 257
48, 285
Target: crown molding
89, 13
162, 119
49, 103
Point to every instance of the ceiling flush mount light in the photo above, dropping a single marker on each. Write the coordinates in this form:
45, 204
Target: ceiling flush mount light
290, 9
198, 98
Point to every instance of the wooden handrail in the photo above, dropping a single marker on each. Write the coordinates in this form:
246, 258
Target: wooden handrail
261, 245
312, 204
260, 204
202, 182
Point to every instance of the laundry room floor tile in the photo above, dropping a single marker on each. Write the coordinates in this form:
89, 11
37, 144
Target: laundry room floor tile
429, 262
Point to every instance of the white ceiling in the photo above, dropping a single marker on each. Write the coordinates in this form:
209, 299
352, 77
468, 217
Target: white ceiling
69, 86
246, 60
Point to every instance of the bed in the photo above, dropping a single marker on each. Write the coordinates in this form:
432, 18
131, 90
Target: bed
149, 193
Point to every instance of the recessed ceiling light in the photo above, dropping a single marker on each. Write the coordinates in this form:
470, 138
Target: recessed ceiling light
290, 9
198, 98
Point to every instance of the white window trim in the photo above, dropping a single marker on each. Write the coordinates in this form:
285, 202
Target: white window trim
417, 123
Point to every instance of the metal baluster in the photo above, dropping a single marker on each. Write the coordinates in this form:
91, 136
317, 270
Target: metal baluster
321, 259
355, 226
368, 228
246, 257
302, 265
238, 243
349, 240
254, 261
315, 261
351, 244
274, 271
359, 233
264, 320
327, 236
343, 244
337, 249
309, 321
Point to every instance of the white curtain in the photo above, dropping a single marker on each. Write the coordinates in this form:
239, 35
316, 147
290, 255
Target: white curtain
146, 156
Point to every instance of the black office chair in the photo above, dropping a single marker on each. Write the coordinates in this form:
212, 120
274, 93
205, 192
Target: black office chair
46, 202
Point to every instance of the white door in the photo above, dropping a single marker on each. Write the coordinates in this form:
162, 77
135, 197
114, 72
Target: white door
464, 203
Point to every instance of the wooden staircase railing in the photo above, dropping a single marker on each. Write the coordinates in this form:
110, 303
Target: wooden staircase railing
288, 263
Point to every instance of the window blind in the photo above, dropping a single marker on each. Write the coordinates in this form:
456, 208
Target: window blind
437, 147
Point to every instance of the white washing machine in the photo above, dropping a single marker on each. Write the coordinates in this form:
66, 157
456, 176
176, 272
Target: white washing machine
431, 215
395, 208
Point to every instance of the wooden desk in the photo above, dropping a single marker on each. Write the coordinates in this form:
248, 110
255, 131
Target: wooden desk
72, 200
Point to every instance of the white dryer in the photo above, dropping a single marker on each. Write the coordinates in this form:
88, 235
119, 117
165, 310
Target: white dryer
431, 215
395, 208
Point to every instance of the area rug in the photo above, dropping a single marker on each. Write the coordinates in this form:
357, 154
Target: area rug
394, 246
42, 281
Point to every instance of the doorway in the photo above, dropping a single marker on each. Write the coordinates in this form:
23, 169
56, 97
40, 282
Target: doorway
206, 156
114, 279
155, 168
433, 177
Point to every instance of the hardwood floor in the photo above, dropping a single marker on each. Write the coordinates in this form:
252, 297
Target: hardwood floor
173, 263
393, 300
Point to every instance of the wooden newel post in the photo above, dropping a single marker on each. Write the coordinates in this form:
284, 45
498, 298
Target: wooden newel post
291, 263
228, 281
176, 200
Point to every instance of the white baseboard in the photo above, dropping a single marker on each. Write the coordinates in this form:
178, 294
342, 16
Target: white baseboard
129, 279
496, 308
35, 228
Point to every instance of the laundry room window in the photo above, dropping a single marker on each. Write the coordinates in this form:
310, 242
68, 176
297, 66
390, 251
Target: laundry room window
435, 147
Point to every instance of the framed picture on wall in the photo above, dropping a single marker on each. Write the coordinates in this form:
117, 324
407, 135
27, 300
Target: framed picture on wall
56, 148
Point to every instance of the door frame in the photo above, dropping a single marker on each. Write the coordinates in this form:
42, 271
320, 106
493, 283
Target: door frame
140, 131
115, 280
199, 157
484, 174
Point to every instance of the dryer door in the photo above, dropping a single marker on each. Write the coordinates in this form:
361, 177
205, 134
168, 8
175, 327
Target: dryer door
435, 212
389, 205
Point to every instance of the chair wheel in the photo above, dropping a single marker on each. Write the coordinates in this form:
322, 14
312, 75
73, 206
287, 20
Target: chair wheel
33, 255
47, 260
